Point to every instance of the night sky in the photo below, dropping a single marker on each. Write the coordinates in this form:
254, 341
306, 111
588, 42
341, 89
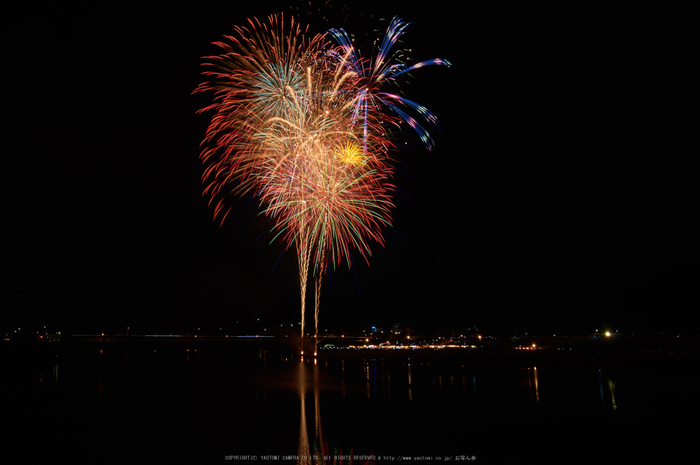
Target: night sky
561, 193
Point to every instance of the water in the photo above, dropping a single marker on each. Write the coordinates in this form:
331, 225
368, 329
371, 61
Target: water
175, 402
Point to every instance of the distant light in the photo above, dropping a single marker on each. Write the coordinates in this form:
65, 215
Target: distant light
608, 334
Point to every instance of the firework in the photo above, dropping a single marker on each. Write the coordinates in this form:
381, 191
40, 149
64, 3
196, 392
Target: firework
302, 125
375, 74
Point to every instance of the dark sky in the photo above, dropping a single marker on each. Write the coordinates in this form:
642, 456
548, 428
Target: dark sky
561, 178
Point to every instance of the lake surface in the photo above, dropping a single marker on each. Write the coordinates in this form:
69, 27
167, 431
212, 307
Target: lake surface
175, 402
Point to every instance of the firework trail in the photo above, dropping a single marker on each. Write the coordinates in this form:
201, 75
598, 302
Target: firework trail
301, 124
380, 71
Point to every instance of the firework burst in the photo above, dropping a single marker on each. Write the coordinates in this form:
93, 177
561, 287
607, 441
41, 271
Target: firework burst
302, 125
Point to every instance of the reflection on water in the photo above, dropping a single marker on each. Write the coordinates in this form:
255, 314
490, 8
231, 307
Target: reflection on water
607, 390
529, 383
410, 392
378, 379
239, 403
304, 450
53, 375
320, 452
408, 380
403, 383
